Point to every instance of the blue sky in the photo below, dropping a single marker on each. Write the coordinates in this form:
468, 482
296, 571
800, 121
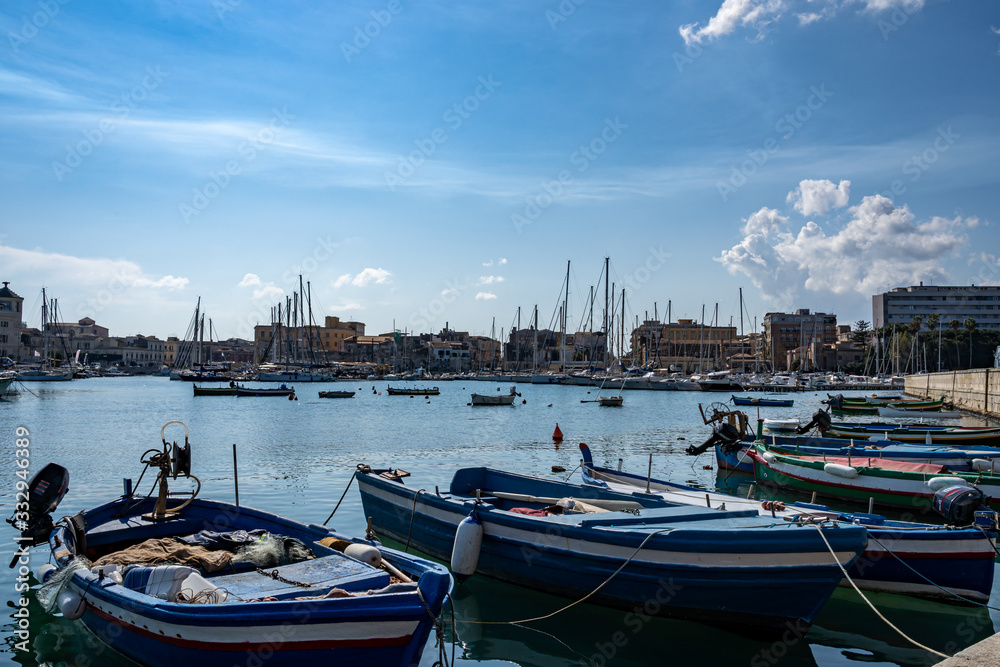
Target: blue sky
424, 162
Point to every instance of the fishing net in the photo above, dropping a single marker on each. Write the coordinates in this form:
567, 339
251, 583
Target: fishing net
48, 592
274, 551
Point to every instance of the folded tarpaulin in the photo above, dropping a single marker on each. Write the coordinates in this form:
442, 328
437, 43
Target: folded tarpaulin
229, 540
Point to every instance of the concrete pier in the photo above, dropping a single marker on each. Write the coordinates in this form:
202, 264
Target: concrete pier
986, 652
974, 390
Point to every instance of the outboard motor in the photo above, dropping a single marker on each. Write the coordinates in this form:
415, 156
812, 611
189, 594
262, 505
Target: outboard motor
958, 504
835, 402
820, 419
724, 434
45, 491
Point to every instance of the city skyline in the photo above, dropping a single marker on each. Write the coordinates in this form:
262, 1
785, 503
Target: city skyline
424, 164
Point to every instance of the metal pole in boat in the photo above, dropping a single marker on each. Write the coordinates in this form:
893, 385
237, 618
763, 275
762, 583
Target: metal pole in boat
871, 504
649, 473
236, 476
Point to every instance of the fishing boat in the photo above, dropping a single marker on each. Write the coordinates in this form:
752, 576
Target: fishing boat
336, 394
610, 401
268, 588
495, 399
6, 379
869, 479
763, 402
927, 560
908, 414
839, 404
620, 550
926, 433
215, 391
264, 391
413, 391
781, 424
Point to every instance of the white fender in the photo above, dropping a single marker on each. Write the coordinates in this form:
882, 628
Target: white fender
365, 553
71, 604
984, 465
840, 470
769, 457
465, 551
46, 571
936, 483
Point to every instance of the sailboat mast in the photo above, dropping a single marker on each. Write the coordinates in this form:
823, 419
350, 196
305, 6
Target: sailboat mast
606, 332
743, 358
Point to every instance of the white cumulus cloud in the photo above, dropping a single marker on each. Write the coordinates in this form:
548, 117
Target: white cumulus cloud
342, 280
249, 280
758, 14
489, 280
817, 197
880, 244
368, 276
485, 296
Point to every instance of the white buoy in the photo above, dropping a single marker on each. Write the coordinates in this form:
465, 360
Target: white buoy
365, 553
46, 571
983, 465
848, 472
465, 551
71, 604
937, 483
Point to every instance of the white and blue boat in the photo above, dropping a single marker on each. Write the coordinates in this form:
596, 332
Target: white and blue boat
729, 568
946, 563
335, 600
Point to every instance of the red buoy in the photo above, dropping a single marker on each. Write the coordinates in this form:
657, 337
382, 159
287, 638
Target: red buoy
557, 435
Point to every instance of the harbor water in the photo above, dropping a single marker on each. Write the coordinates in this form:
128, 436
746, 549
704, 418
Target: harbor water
296, 457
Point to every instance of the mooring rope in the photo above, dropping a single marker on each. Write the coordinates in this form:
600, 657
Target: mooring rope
585, 597
910, 567
868, 602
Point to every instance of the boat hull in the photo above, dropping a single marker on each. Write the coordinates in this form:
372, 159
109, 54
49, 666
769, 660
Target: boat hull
737, 585
900, 558
490, 399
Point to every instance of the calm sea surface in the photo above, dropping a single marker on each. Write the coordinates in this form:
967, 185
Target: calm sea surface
295, 458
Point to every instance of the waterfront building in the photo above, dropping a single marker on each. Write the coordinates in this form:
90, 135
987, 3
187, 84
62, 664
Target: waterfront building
784, 333
312, 344
949, 302
11, 322
684, 345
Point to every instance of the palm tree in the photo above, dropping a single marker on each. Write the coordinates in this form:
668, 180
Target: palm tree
955, 326
932, 323
970, 325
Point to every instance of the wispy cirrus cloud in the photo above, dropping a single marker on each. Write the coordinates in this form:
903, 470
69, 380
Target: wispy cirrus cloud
485, 296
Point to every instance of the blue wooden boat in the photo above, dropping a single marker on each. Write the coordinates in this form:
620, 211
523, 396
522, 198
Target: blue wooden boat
727, 568
902, 557
265, 391
352, 602
763, 402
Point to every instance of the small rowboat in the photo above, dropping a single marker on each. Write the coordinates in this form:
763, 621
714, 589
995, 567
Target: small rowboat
262, 391
781, 424
610, 401
763, 402
495, 399
731, 568
957, 559
336, 394
416, 391
908, 414
864, 479
926, 433
317, 597
214, 391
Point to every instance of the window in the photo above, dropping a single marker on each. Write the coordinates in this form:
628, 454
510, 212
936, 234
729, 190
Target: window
4, 305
